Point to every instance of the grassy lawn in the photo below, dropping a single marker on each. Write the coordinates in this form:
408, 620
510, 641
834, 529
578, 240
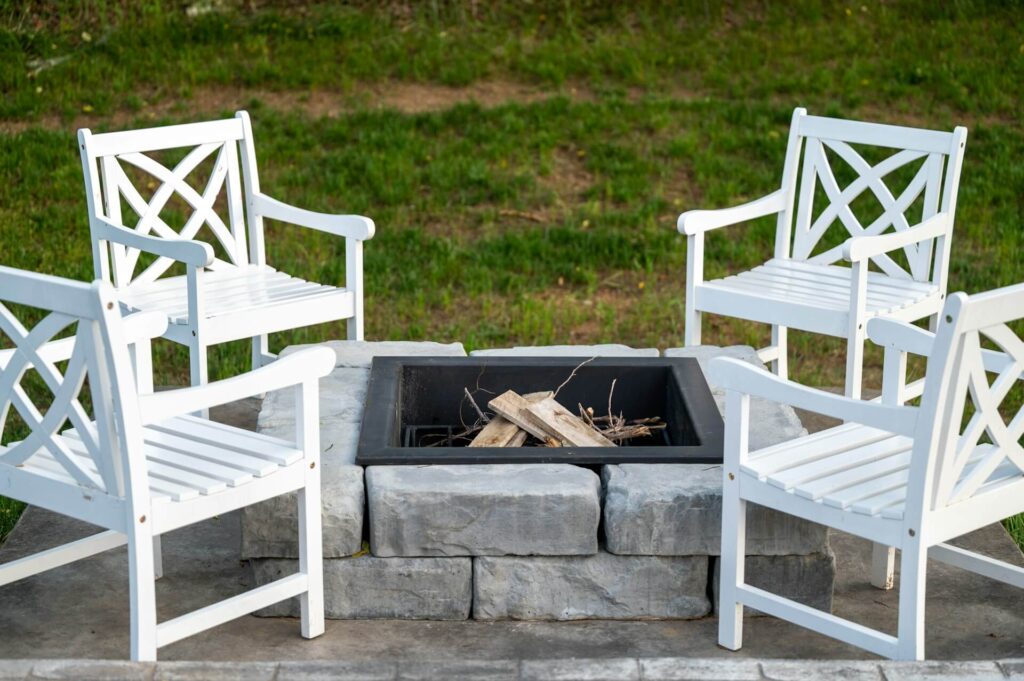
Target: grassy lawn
524, 164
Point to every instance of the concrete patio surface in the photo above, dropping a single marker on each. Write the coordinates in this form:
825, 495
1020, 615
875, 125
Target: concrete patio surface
81, 610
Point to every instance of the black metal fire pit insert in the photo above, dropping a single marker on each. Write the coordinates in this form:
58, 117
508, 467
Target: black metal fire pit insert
415, 400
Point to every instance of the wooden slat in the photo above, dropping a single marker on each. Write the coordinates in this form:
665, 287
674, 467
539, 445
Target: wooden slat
511, 406
257, 444
843, 274
876, 134
562, 424
165, 137
500, 432
838, 462
805, 450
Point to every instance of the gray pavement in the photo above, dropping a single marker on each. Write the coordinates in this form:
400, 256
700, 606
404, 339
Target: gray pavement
81, 611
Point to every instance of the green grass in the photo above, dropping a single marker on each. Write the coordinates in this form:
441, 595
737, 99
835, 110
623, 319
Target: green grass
653, 110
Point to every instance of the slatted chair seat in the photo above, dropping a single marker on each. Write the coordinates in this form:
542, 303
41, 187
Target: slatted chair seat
820, 292
247, 291
854, 467
893, 263
186, 457
905, 477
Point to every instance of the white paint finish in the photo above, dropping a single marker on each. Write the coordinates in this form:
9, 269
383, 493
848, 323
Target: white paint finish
220, 299
139, 481
906, 478
808, 290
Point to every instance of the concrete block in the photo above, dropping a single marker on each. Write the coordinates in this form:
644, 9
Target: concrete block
602, 586
771, 423
360, 354
216, 671
975, 670
270, 528
676, 510
684, 669
366, 587
338, 670
611, 669
605, 350
15, 670
801, 670
92, 670
470, 670
483, 510
806, 579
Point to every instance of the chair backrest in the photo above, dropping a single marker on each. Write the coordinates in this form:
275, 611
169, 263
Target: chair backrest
207, 178
94, 353
925, 163
968, 439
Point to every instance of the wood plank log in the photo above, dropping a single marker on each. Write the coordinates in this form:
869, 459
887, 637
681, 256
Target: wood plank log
501, 432
562, 424
511, 405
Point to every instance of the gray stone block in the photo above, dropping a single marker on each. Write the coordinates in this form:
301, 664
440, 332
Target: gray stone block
453, 670
216, 671
605, 350
806, 579
338, 670
611, 669
840, 670
93, 670
770, 422
935, 669
360, 354
483, 510
602, 586
270, 529
683, 669
366, 587
676, 510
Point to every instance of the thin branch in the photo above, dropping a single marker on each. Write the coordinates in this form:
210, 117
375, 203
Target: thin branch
572, 375
480, 413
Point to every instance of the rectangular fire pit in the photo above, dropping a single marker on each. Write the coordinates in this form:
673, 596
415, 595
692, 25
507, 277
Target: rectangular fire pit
414, 401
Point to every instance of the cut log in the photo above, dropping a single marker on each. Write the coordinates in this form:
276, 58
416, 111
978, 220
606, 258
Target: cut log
550, 416
511, 405
500, 432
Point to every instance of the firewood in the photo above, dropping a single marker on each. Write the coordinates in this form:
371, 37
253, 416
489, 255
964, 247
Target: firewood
511, 405
500, 432
561, 423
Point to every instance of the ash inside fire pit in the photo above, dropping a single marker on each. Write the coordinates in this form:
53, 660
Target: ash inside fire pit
429, 410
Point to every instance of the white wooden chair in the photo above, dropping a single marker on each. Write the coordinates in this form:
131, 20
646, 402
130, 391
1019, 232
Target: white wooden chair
802, 286
141, 467
903, 476
225, 296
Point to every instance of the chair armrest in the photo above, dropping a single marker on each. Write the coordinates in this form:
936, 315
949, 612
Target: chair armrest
697, 221
305, 365
137, 327
733, 374
906, 337
188, 251
858, 248
350, 226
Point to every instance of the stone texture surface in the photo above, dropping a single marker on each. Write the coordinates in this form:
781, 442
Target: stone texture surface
612, 669
483, 510
806, 579
360, 354
605, 350
676, 510
270, 529
771, 423
366, 587
602, 586
682, 669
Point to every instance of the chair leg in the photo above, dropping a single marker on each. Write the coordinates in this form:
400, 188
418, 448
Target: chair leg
311, 561
855, 362
731, 574
158, 557
691, 327
142, 590
910, 633
197, 366
780, 365
883, 566
260, 348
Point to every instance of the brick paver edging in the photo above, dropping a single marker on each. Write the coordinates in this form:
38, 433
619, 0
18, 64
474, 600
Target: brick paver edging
643, 669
